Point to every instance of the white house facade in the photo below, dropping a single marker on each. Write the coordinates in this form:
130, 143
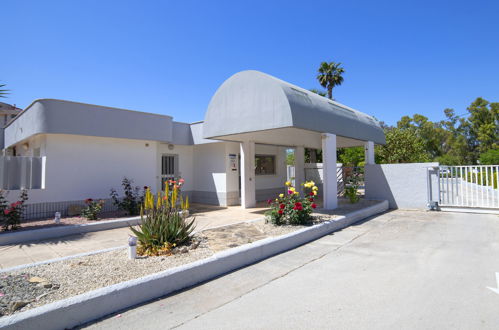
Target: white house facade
236, 156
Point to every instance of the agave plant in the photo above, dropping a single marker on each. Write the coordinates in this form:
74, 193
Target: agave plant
163, 225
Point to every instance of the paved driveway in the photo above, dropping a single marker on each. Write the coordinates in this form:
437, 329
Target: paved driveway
400, 270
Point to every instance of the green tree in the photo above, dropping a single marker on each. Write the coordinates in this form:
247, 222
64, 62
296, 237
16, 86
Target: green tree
329, 76
457, 148
402, 146
432, 134
290, 157
484, 121
490, 157
353, 156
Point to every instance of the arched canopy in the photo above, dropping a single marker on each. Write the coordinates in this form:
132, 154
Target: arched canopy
252, 101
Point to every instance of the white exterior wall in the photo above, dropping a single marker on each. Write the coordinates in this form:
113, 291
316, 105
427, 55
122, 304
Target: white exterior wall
80, 167
210, 179
405, 186
273, 180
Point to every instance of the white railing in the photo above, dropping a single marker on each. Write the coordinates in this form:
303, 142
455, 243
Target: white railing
469, 186
22, 172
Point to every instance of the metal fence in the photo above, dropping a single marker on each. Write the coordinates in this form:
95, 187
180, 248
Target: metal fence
48, 209
469, 186
345, 176
349, 176
21, 172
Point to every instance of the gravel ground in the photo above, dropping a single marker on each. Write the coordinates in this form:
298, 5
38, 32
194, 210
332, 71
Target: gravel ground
76, 276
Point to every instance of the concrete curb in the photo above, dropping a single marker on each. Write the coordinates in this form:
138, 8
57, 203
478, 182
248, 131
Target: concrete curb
92, 305
61, 231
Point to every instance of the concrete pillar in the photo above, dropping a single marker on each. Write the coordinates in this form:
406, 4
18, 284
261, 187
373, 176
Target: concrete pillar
299, 167
330, 193
369, 152
248, 193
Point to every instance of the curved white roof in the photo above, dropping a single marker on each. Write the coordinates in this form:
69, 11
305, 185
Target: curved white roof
252, 101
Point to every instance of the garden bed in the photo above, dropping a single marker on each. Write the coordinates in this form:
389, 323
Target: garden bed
65, 221
67, 278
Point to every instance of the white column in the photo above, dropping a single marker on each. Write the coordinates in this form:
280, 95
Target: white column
299, 167
369, 152
248, 195
330, 184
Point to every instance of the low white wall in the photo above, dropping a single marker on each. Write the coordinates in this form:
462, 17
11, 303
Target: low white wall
405, 186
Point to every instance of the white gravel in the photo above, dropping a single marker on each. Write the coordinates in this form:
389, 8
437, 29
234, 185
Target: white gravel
83, 274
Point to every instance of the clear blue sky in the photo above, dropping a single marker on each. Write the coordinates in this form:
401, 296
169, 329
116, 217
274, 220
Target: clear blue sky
401, 57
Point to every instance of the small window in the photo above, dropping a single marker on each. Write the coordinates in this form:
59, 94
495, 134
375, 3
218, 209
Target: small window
265, 164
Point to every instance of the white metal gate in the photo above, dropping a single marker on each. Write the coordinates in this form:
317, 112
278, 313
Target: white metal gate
469, 186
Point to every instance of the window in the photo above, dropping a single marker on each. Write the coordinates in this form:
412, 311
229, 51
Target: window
169, 168
264, 164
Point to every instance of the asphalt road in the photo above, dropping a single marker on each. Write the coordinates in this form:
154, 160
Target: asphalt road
400, 270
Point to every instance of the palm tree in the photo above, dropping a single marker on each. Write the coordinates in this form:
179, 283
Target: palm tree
3, 92
330, 75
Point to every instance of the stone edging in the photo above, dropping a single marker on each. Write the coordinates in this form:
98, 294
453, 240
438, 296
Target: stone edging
61, 231
92, 305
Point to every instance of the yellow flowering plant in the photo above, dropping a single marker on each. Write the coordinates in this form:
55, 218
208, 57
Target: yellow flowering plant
164, 224
291, 208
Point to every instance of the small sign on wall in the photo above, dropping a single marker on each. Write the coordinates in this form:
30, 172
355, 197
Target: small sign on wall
233, 162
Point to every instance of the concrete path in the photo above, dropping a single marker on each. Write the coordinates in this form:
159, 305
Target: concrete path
206, 217
400, 270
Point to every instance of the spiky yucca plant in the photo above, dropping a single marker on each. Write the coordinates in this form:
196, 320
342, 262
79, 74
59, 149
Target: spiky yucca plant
163, 225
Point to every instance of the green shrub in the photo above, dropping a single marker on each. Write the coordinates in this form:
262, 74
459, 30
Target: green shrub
132, 199
292, 209
12, 214
163, 225
351, 194
92, 209
490, 157
490, 177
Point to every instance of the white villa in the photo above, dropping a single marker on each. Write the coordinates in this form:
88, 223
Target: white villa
236, 156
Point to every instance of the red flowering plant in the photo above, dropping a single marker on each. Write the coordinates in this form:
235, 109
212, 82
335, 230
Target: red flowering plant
11, 214
92, 209
292, 209
173, 190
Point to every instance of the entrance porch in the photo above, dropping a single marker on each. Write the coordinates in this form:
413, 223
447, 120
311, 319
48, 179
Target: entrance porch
260, 109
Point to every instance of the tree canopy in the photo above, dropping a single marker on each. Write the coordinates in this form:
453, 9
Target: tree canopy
456, 140
329, 76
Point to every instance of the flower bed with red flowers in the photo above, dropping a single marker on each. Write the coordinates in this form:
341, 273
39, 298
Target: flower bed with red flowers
92, 209
291, 208
11, 214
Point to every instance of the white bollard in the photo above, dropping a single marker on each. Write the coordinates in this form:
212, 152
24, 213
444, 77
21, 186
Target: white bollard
132, 247
57, 218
